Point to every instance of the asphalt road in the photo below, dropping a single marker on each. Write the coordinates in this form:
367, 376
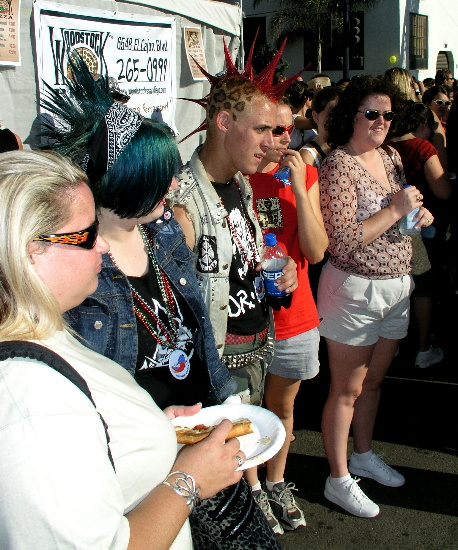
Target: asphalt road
416, 432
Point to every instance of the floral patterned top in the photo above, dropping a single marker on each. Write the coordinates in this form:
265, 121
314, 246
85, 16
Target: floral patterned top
350, 195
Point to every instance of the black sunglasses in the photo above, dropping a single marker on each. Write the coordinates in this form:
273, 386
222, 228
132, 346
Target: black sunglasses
372, 114
280, 130
84, 239
442, 102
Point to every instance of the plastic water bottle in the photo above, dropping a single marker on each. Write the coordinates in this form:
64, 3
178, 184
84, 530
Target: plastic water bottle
273, 261
407, 223
283, 174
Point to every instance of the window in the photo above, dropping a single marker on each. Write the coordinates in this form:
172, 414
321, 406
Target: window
418, 46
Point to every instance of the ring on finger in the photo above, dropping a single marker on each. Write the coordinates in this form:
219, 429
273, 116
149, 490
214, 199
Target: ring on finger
419, 197
239, 460
428, 220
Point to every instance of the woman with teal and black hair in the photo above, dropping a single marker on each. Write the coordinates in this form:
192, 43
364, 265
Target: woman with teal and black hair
147, 313
141, 314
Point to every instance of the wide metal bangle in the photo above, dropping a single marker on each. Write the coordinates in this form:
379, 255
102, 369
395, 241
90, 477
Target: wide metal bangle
185, 486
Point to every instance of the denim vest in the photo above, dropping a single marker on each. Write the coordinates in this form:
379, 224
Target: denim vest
208, 215
106, 319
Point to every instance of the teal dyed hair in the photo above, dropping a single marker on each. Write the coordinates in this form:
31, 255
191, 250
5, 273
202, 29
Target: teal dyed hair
142, 174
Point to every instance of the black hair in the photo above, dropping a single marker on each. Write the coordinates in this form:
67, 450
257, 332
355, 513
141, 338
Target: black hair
410, 115
429, 94
324, 96
8, 141
297, 94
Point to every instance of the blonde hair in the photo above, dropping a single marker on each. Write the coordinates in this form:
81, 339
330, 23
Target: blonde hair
36, 194
403, 80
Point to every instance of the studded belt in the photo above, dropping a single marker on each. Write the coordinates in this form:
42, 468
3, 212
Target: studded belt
241, 360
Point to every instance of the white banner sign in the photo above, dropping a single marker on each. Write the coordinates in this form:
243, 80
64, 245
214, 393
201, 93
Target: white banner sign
139, 51
10, 27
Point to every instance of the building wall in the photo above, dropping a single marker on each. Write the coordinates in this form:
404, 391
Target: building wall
386, 34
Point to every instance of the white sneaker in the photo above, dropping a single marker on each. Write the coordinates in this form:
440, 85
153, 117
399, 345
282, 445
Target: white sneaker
349, 496
375, 468
427, 358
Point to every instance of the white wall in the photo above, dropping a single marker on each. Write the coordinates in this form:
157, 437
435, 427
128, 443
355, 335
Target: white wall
386, 33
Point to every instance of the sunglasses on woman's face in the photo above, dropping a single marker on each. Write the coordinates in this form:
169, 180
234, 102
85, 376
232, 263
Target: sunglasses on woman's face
442, 102
84, 239
280, 130
372, 114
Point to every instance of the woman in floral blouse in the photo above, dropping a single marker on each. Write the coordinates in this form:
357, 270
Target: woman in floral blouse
363, 295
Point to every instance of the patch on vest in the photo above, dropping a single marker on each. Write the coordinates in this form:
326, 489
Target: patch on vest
207, 255
269, 213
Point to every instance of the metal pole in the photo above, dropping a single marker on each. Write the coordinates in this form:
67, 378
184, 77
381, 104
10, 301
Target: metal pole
346, 31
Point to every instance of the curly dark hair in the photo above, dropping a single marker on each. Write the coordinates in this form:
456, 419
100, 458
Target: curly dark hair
410, 115
341, 118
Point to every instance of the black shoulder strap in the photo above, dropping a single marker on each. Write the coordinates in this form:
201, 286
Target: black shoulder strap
16, 348
318, 148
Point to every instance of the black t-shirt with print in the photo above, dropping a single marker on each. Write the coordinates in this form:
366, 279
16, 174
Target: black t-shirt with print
247, 311
164, 372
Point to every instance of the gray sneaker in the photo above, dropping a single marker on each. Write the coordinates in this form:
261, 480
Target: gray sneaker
285, 506
263, 502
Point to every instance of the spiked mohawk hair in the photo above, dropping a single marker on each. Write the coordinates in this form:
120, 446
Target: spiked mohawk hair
229, 88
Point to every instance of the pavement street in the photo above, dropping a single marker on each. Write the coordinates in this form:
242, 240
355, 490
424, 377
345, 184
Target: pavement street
416, 432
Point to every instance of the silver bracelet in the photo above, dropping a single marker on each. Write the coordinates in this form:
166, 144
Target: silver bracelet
184, 486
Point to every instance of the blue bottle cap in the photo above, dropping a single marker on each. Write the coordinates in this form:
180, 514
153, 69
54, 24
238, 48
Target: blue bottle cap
270, 239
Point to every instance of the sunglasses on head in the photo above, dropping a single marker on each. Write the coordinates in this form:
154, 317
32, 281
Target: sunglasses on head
442, 102
84, 239
372, 114
280, 130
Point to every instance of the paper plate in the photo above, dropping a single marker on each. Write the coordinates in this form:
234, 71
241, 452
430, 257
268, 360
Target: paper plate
268, 432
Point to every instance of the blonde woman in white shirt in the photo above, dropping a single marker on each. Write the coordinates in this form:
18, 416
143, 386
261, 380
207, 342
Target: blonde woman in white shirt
53, 447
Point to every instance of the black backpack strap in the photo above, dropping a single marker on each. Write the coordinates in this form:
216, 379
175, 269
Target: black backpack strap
17, 348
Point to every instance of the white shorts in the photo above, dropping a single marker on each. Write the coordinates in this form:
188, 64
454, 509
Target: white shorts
358, 311
297, 357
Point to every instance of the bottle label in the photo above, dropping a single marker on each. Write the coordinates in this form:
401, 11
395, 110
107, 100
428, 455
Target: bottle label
269, 282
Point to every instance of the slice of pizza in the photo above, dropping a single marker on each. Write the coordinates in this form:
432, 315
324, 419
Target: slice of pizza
189, 436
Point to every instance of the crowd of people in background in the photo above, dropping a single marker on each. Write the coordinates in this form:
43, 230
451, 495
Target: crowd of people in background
176, 254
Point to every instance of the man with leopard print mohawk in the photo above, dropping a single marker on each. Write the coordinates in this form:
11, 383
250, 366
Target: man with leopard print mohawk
213, 206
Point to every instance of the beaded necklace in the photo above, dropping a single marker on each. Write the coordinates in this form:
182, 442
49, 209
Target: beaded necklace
251, 239
166, 336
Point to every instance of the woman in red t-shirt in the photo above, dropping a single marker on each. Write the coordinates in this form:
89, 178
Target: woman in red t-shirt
291, 210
